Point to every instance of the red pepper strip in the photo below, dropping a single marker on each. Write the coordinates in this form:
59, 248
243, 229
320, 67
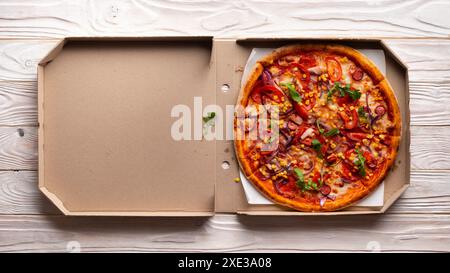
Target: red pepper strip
334, 68
302, 111
307, 60
299, 133
346, 173
369, 159
349, 123
356, 136
267, 89
302, 73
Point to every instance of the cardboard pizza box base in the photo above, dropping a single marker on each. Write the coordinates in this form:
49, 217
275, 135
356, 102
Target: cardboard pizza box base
104, 126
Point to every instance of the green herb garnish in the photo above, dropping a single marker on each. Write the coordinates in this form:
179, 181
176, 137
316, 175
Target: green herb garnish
304, 186
316, 145
343, 90
332, 132
292, 92
360, 163
209, 116
362, 114
318, 127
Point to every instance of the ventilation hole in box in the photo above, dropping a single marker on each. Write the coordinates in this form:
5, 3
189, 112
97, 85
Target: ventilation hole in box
225, 165
225, 88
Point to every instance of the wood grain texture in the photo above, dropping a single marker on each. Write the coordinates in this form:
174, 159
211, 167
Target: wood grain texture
57, 18
429, 73
428, 62
19, 194
19, 60
429, 148
226, 233
418, 221
18, 148
18, 103
429, 192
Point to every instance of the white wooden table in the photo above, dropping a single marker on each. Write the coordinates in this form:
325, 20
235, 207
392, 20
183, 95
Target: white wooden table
417, 30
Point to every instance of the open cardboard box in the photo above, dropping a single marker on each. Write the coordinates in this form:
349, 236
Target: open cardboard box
105, 145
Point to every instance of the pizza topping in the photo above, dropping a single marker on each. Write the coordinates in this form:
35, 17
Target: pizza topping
325, 189
358, 74
301, 110
308, 132
380, 110
303, 184
345, 93
334, 69
294, 95
360, 163
271, 91
308, 60
296, 119
332, 132
350, 118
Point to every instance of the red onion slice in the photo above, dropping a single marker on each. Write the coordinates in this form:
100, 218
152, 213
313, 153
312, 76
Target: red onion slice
296, 119
322, 201
292, 125
308, 164
331, 197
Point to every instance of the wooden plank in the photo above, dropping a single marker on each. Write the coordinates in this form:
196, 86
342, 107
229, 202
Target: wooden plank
429, 148
429, 72
18, 148
428, 61
19, 194
18, 103
226, 233
19, 59
429, 191
58, 18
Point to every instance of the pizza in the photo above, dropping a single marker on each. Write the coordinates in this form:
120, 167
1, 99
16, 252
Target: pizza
317, 127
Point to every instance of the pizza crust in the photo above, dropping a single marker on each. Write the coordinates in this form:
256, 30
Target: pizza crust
354, 195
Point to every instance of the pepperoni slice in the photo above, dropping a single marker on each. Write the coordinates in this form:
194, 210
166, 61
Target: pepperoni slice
380, 110
358, 74
325, 189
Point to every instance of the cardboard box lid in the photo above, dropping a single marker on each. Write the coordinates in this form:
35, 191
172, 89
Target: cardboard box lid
105, 145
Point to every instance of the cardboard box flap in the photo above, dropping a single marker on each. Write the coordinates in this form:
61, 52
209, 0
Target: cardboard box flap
105, 144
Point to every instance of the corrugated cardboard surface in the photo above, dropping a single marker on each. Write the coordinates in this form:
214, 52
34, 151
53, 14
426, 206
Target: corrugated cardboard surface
104, 137
106, 144
231, 58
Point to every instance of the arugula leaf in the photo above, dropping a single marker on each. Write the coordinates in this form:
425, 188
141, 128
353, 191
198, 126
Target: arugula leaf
332, 90
302, 184
292, 92
318, 127
343, 90
362, 114
316, 145
354, 94
209, 116
301, 179
360, 163
332, 132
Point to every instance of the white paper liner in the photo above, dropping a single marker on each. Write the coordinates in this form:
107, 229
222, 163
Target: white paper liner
254, 197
